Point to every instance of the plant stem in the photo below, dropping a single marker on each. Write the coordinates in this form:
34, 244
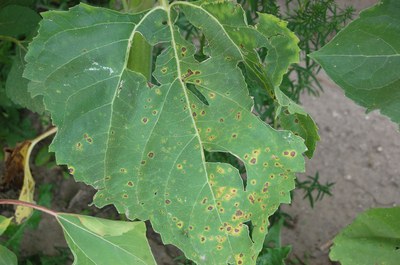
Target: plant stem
32, 145
165, 4
28, 204
14, 40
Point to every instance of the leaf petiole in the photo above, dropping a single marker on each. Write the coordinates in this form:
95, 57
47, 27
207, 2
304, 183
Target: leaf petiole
28, 204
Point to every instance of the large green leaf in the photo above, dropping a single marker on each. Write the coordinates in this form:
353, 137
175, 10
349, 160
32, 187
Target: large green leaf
373, 238
141, 145
364, 59
99, 241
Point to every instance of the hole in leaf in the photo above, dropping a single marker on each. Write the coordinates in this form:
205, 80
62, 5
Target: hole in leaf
195, 36
192, 88
262, 53
228, 158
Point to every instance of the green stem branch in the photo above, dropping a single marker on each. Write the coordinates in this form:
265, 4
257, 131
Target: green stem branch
14, 40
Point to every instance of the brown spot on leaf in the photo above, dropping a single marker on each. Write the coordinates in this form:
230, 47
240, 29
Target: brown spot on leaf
251, 199
130, 183
239, 115
167, 201
253, 161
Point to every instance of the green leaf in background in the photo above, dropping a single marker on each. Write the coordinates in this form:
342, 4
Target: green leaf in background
7, 257
15, 233
142, 145
18, 21
4, 223
99, 241
43, 156
373, 238
18, 24
364, 59
273, 252
274, 256
17, 86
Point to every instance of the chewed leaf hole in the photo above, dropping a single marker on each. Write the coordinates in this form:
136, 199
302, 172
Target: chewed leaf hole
192, 88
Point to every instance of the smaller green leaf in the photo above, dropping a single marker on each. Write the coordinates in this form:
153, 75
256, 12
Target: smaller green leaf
293, 117
4, 223
275, 256
43, 156
273, 252
364, 59
7, 257
18, 21
373, 238
17, 86
100, 241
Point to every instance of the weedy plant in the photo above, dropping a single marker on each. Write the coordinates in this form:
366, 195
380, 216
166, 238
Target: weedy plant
154, 109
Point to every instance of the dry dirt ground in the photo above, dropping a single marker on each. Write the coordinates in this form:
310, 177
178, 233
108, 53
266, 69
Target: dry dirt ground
359, 152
